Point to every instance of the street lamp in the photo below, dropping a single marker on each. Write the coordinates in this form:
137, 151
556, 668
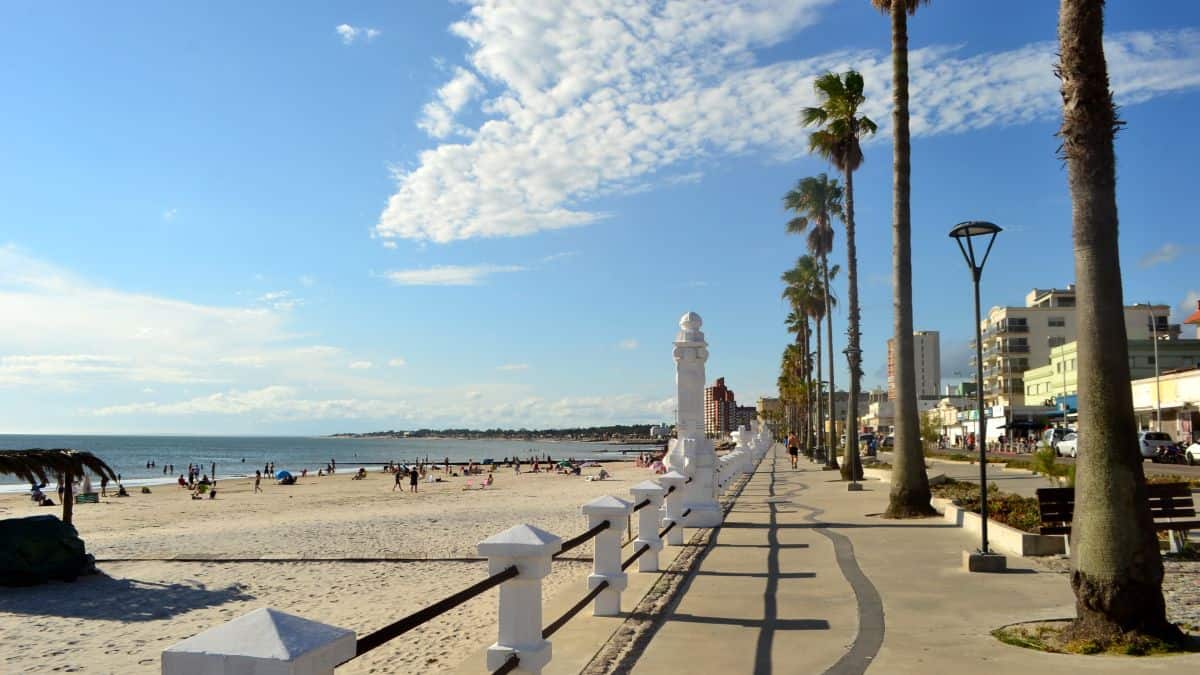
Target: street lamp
965, 235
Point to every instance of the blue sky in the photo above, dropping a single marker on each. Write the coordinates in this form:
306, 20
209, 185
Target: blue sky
306, 218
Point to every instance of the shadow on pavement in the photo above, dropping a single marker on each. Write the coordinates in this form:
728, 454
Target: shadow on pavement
104, 597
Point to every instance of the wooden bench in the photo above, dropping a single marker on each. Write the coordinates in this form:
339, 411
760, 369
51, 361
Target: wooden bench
1171, 507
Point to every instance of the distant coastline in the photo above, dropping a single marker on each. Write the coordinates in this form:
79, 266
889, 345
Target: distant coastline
637, 434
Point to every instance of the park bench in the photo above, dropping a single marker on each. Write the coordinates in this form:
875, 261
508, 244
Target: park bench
1171, 507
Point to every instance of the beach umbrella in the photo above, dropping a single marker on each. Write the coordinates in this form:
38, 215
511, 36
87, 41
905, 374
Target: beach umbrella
280, 475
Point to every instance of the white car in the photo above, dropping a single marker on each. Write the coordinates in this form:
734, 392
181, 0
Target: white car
1192, 454
1068, 446
1150, 442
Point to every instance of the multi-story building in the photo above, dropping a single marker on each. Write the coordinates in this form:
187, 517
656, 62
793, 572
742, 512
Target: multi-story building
1059, 377
927, 355
1016, 339
743, 415
720, 408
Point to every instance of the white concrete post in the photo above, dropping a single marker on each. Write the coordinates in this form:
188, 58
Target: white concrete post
745, 459
700, 495
673, 506
263, 641
648, 523
606, 561
530, 549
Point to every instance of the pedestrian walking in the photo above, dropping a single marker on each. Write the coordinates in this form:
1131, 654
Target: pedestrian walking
793, 448
413, 477
397, 483
257, 480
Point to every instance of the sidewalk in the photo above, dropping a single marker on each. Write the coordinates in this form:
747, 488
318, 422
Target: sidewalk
805, 577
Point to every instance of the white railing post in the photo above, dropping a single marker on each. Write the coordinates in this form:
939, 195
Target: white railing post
693, 455
530, 550
673, 507
648, 523
606, 565
263, 641
745, 453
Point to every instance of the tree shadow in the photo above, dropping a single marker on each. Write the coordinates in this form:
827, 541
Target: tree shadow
100, 596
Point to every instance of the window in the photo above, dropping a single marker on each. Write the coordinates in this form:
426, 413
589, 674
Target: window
1150, 360
1056, 322
1056, 341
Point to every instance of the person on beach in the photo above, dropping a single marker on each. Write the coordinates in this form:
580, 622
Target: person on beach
793, 448
413, 477
257, 480
517, 466
397, 483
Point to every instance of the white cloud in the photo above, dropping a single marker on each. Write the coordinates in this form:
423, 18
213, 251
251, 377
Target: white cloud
274, 402
686, 178
397, 363
554, 257
360, 365
474, 395
1163, 254
592, 97
628, 344
513, 367
437, 117
307, 281
280, 300
449, 275
169, 214
351, 34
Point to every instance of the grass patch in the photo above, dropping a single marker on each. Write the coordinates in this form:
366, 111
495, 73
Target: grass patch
1047, 636
1173, 478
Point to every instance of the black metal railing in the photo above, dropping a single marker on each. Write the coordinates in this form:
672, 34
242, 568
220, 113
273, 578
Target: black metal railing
579, 540
575, 609
509, 665
398, 628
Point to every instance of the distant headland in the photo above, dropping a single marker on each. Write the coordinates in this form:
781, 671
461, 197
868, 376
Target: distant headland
618, 433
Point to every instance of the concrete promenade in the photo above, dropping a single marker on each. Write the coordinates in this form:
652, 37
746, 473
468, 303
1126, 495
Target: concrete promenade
805, 577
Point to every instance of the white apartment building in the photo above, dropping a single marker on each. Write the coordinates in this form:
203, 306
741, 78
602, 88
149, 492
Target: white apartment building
1017, 339
927, 358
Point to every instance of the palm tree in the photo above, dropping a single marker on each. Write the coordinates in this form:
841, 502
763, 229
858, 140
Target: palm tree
1116, 569
837, 140
909, 497
816, 201
40, 465
797, 322
804, 290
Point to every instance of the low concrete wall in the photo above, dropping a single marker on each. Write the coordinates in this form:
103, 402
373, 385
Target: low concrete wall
1001, 537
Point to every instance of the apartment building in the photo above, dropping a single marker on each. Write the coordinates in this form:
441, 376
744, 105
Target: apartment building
1058, 378
1017, 339
720, 408
927, 359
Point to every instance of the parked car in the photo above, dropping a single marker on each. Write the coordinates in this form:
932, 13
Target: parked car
1051, 437
889, 441
1068, 446
1191, 454
1151, 443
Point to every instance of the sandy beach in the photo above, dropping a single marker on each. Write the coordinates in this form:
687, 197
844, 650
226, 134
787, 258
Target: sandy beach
121, 620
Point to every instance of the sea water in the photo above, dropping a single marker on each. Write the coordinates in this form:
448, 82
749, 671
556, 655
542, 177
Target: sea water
242, 455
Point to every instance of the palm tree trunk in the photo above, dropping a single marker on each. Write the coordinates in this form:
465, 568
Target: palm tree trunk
68, 497
831, 461
851, 464
909, 496
809, 403
817, 391
1116, 569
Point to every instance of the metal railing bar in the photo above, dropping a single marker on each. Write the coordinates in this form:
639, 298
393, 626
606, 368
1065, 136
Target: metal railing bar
578, 540
641, 505
575, 609
633, 558
398, 628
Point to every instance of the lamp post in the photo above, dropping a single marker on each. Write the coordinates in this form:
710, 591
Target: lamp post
965, 234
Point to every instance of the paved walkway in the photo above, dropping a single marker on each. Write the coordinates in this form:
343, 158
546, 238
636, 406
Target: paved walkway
805, 577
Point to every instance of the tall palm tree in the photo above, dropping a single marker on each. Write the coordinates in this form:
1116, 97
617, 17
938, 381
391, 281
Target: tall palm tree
837, 140
909, 497
797, 322
816, 201
805, 291
1116, 570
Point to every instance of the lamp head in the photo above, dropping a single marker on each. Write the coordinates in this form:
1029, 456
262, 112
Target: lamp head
974, 228
965, 232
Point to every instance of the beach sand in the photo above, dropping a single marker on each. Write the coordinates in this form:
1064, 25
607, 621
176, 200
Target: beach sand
121, 620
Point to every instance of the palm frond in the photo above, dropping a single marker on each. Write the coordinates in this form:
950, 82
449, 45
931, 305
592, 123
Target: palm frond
38, 465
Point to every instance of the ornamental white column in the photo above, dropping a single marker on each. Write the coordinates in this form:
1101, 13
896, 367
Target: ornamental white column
606, 561
695, 457
648, 523
530, 549
673, 506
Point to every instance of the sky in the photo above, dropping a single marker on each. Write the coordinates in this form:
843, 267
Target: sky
308, 218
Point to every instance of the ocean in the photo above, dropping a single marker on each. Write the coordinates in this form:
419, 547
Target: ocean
241, 455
